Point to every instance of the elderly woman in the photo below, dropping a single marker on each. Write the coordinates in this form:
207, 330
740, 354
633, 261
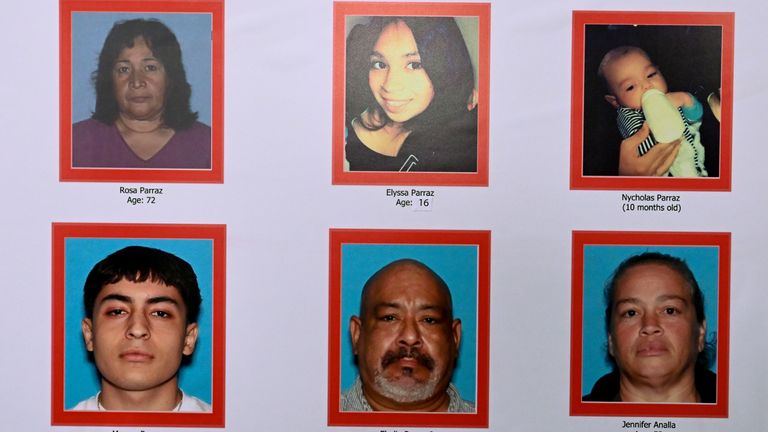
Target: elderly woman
410, 97
142, 117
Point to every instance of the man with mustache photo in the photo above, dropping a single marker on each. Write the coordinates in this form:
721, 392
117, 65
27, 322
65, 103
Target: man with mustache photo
142, 306
406, 343
656, 330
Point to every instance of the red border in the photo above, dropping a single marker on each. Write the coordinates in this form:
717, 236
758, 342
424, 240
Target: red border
480, 10
582, 18
62, 231
66, 171
338, 237
718, 239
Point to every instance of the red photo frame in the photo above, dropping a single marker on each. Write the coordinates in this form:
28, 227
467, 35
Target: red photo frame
582, 19
214, 174
340, 237
719, 240
341, 10
63, 231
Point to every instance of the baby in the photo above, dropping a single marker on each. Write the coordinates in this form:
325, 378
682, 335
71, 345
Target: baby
628, 73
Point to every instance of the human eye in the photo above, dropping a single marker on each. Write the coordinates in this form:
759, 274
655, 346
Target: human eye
414, 65
653, 74
122, 69
671, 310
629, 313
116, 312
152, 67
161, 314
378, 65
629, 88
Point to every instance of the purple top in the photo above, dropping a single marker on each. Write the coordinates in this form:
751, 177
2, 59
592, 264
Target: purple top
97, 145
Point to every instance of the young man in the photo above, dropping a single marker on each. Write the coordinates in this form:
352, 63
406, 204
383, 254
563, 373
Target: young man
141, 309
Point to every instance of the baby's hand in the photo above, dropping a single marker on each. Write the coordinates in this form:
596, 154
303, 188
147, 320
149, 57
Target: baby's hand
679, 99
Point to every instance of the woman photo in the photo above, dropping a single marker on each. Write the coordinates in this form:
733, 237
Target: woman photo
411, 99
142, 116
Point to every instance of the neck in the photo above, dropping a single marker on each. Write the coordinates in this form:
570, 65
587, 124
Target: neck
680, 389
165, 397
139, 126
437, 403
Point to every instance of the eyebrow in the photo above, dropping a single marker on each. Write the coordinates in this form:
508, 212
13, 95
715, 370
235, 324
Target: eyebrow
409, 54
661, 298
397, 305
129, 300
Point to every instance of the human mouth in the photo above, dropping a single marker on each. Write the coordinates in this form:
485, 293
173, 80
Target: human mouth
407, 359
652, 349
136, 356
394, 105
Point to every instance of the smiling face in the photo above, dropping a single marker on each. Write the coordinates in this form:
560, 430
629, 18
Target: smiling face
138, 335
628, 76
406, 340
397, 78
140, 83
655, 336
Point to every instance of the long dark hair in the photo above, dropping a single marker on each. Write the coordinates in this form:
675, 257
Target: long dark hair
161, 40
444, 56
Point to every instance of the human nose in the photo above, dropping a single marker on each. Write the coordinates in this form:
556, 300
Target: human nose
137, 79
650, 325
393, 81
410, 335
138, 327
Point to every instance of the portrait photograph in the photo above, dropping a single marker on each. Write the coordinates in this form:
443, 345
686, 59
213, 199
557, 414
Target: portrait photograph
652, 100
411, 93
650, 324
409, 328
138, 325
142, 96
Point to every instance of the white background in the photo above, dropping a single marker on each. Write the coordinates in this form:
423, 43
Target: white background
278, 204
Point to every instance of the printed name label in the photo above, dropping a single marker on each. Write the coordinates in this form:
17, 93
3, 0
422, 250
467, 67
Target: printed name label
416, 199
140, 195
654, 426
654, 203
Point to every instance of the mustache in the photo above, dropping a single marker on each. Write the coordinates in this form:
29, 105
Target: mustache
412, 353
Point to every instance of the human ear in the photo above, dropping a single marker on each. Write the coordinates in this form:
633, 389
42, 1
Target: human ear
354, 332
190, 339
702, 338
611, 99
456, 332
610, 345
87, 327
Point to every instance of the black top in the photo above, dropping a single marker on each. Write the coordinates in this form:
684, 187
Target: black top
450, 148
606, 389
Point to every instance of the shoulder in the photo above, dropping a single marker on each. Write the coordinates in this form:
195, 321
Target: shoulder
90, 404
192, 404
457, 404
706, 385
353, 399
606, 389
90, 126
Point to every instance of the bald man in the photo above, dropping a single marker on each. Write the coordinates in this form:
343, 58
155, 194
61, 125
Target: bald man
406, 341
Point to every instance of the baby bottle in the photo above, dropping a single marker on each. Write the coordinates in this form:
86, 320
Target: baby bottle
663, 118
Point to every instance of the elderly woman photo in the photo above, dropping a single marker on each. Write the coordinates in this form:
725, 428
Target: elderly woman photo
410, 96
142, 117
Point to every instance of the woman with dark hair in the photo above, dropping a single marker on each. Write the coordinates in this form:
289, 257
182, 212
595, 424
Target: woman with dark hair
410, 97
142, 117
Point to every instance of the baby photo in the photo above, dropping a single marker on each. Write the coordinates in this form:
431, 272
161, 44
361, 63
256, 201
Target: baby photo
650, 105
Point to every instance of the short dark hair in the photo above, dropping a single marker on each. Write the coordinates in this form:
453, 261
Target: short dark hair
404, 263
165, 47
680, 267
444, 56
141, 264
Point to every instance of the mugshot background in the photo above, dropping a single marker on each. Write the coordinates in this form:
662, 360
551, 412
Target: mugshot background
456, 264
278, 204
90, 29
600, 263
81, 379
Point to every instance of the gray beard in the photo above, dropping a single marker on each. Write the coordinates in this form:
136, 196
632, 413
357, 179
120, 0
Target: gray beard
413, 393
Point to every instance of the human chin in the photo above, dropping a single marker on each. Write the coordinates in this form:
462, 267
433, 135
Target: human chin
405, 389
